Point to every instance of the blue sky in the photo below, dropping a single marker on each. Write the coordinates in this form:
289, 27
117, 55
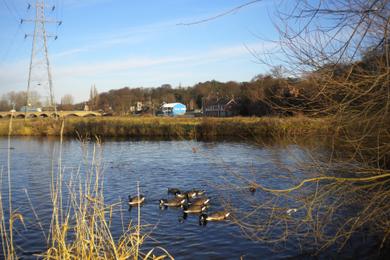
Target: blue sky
137, 43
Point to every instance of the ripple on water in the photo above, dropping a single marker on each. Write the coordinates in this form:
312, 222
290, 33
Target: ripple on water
157, 166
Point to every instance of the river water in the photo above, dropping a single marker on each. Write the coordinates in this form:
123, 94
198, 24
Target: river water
215, 167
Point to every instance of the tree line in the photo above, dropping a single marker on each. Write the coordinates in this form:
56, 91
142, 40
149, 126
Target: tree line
257, 97
254, 98
271, 93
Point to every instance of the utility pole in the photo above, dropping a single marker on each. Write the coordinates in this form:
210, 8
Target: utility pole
39, 74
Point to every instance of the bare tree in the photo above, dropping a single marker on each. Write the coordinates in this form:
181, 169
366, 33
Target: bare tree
93, 98
4, 104
18, 99
67, 102
342, 48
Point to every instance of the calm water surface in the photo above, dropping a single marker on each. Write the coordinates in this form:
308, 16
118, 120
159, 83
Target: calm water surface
157, 165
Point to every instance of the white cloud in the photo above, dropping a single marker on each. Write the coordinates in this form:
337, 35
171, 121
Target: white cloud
125, 36
133, 70
69, 52
122, 65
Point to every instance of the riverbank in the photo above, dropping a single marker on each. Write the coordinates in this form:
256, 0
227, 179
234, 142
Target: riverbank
170, 128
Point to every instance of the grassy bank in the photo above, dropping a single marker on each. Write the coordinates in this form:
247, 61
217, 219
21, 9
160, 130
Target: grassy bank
172, 128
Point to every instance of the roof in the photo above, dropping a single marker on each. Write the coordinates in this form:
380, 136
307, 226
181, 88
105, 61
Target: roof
170, 105
221, 101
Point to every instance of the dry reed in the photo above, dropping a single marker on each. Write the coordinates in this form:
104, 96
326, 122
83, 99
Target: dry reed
81, 220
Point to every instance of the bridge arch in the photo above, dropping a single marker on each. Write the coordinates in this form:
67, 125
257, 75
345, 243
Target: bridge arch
89, 115
72, 115
20, 116
32, 116
43, 115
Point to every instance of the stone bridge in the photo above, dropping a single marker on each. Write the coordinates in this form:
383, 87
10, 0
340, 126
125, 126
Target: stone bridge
44, 114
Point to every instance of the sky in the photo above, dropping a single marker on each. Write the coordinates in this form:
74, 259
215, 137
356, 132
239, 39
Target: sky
135, 43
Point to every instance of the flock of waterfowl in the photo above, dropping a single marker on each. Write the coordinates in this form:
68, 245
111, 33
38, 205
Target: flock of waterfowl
192, 202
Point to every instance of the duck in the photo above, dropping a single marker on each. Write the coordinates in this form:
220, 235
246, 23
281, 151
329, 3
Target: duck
187, 195
216, 216
136, 200
198, 192
190, 194
173, 191
175, 202
200, 201
194, 208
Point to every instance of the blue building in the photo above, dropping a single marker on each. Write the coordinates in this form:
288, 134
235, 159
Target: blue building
173, 109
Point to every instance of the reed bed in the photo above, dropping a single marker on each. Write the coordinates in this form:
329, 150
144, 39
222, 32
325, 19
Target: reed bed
172, 128
81, 220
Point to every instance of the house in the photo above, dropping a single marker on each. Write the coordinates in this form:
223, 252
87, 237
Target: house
173, 109
220, 107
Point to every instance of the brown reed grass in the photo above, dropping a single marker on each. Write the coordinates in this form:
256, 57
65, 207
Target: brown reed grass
81, 227
172, 128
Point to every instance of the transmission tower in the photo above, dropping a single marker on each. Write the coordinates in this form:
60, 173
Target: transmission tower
39, 75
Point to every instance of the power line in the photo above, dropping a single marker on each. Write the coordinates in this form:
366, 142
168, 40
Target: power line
11, 44
10, 11
15, 9
235, 9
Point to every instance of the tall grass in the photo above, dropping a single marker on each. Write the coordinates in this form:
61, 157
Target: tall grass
173, 128
81, 220
7, 225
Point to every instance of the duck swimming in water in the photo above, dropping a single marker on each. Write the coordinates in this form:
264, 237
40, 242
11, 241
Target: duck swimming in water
175, 202
216, 216
200, 201
136, 200
187, 195
194, 208
190, 194
198, 192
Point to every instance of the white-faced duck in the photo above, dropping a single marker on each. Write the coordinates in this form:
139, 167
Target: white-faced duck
216, 216
198, 192
187, 195
190, 194
200, 201
136, 200
175, 202
194, 208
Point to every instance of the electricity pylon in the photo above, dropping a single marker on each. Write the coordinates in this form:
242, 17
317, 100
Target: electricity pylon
39, 74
